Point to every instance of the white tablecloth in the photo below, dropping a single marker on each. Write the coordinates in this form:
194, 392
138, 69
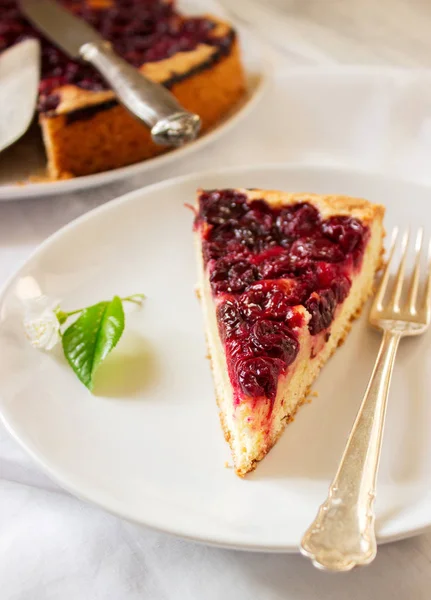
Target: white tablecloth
54, 546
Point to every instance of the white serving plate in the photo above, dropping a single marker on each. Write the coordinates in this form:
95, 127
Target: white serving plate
149, 446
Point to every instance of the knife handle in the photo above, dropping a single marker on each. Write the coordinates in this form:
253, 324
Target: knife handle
150, 102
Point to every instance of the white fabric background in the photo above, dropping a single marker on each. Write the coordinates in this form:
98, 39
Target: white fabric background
53, 545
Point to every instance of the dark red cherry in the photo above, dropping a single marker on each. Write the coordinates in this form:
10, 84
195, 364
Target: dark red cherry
275, 267
233, 276
345, 231
325, 274
321, 306
297, 220
317, 249
222, 207
252, 302
229, 315
274, 340
47, 103
272, 299
258, 377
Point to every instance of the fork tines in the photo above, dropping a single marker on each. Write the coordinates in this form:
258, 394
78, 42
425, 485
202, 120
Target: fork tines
411, 310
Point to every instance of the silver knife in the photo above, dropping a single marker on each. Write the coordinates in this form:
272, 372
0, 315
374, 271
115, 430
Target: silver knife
150, 102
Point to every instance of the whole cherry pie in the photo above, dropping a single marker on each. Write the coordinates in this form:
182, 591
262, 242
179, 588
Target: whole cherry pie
281, 278
84, 128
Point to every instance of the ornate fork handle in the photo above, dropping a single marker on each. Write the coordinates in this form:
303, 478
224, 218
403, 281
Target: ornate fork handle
342, 535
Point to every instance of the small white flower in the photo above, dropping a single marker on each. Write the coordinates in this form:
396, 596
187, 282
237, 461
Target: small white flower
41, 324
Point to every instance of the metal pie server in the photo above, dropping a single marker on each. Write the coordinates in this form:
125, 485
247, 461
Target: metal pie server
150, 102
19, 82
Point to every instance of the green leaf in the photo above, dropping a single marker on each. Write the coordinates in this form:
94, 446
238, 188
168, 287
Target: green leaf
89, 340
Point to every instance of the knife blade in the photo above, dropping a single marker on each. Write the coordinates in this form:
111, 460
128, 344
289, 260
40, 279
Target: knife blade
150, 102
60, 25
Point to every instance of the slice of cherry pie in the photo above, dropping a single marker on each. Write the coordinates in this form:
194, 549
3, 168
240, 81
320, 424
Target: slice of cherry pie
281, 278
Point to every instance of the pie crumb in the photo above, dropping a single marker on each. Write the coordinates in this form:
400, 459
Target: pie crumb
309, 397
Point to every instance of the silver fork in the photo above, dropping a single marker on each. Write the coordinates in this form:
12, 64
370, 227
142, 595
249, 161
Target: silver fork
342, 536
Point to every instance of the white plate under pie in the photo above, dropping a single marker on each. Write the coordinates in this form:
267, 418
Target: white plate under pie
149, 446
27, 157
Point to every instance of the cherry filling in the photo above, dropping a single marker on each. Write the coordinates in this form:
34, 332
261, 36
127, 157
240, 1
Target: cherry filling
140, 31
265, 266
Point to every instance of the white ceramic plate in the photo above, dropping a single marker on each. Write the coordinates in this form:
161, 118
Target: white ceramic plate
149, 446
27, 157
